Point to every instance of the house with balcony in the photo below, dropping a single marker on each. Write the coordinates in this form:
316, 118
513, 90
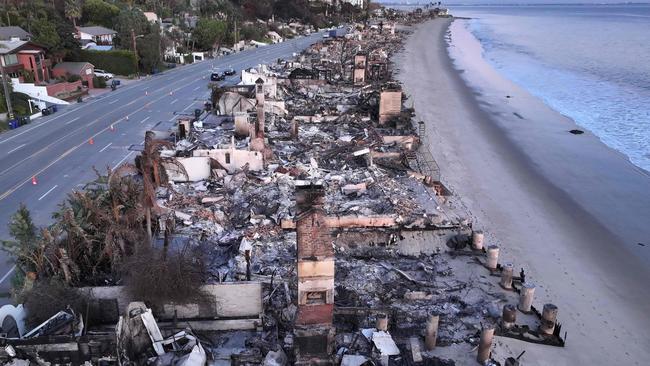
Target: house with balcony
25, 60
95, 34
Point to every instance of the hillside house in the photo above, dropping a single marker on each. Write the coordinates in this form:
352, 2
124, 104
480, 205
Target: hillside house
24, 56
14, 33
96, 34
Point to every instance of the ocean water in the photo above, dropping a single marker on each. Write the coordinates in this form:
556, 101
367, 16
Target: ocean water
590, 63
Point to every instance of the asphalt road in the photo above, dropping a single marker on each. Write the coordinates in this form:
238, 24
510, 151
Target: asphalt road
61, 150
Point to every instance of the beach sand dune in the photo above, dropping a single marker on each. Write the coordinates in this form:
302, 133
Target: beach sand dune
512, 164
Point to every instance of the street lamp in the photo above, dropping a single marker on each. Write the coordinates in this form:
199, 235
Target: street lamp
135, 51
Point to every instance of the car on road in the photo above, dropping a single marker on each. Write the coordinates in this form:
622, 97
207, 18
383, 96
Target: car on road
230, 72
215, 76
103, 74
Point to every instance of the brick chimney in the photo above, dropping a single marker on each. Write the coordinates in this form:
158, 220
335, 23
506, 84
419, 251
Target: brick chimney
315, 260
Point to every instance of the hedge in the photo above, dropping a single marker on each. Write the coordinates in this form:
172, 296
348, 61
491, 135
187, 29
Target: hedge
19, 102
99, 82
119, 62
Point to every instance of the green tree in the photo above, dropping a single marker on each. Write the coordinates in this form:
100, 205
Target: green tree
68, 47
130, 22
222, 9
149, 51
22, 227
209, 33
45, 34
254, 32
25, 243
99, 12
72, 10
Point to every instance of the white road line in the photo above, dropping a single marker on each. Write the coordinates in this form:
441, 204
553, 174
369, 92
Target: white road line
128, 104
106, 147
145, 119
123, 159
10, 271
72, 120
191, 104
14, 149
197, 88
113, 101
174, 101
48, 192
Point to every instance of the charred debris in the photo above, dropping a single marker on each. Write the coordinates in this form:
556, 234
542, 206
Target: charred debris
325, 231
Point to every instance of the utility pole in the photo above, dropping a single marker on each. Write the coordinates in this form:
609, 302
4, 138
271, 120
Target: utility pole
135, 52
10, 109
236, 35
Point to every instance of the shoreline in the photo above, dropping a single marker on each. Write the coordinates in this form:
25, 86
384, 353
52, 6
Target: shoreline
522, 210
601, 181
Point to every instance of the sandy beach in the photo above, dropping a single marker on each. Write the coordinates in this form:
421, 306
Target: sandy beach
571, 211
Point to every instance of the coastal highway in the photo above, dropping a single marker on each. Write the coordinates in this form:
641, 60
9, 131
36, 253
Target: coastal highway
61, 150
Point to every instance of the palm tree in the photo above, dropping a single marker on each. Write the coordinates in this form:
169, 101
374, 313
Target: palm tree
73, 11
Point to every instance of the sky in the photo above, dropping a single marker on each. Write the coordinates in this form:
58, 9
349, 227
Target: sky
519, 1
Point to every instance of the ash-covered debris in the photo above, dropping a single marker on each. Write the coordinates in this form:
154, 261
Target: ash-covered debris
314, 181
323, 227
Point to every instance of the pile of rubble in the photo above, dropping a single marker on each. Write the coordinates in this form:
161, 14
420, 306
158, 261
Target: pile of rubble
324, 225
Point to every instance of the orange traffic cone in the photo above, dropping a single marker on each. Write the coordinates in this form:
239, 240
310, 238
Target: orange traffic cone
112, 128
146, 92
170, 93
127, 117
91, 141
34, 181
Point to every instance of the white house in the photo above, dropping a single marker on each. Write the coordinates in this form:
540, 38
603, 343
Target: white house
274, 37
359, 3
99, 35
151, 17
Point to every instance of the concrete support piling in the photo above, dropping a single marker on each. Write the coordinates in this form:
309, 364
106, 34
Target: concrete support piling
509, 316
506, 276
526, 297
549, 317
493, 257
485, 344
431, 333
477, 240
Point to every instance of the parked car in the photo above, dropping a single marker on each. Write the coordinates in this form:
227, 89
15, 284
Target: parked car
215, 76
103, 74
230, 72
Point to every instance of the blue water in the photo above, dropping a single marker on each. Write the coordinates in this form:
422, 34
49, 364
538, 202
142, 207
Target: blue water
590, 63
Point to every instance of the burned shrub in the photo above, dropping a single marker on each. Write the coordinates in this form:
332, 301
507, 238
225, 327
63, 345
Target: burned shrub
158, 277
47, 298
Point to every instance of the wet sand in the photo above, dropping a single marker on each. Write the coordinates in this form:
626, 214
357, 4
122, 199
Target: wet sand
565, 207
